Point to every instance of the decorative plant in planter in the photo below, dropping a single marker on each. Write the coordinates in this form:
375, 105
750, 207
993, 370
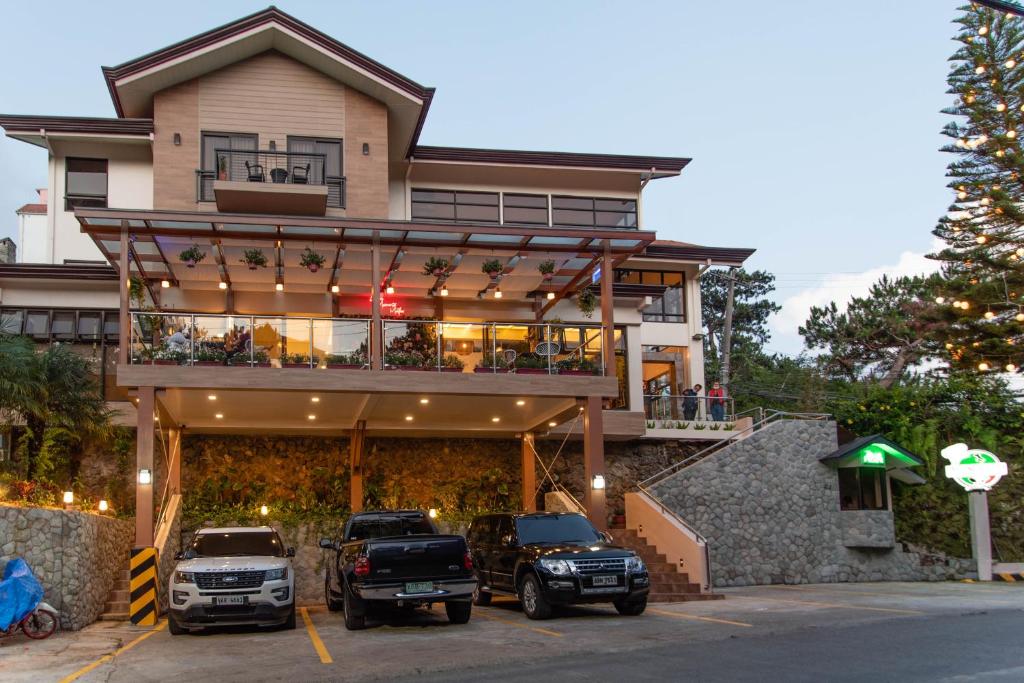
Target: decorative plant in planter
209, 356
529, 364
487, 364
729, 426
492, 267
574, 365
222, 167
254, 258
650, 424
191, 256
586, 302
136, 290
715, 426
346, 361
405, 360
700, 426
168, 355
142, 356
435, 266
259, 358
547, 269
312, 260
297, 360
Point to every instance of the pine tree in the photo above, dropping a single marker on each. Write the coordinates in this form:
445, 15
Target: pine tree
981, 293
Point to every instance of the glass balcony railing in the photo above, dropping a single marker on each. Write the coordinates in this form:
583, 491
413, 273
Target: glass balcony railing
297, 342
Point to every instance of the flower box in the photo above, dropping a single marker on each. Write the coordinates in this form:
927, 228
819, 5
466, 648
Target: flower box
415, 368
531, 371
343, 366
165, 361
295, 365
208, 363
586, 373
451, 369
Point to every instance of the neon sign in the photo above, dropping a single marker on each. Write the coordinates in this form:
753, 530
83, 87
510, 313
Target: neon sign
973, 468
873, 458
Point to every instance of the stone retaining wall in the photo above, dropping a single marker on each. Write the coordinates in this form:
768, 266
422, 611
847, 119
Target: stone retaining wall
77, 556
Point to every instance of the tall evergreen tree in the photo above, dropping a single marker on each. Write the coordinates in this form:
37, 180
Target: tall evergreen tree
981, 296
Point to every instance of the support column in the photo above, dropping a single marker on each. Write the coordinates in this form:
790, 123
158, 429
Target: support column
593, 461
376, 329
144, 461
356, 442
174, 461
124, 276
608, 312
529, 473
981, 534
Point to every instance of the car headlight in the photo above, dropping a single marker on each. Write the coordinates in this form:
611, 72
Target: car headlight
184, 577
635, 564
557, 567
276, 574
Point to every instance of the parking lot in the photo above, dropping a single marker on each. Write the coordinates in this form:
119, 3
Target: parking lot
500, 642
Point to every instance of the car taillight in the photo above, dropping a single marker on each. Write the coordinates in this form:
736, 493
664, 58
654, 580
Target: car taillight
467, 560
362, 567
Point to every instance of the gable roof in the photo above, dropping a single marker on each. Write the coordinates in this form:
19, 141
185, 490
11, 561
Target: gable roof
883, 443
133, 83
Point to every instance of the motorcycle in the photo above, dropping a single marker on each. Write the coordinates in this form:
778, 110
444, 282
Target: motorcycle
38, 624
21, 603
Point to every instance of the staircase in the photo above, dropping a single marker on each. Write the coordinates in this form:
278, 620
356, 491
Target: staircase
118, 600
668, 584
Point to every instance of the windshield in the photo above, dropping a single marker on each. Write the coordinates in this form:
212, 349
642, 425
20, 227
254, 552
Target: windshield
239, 543
557, 529
376, 527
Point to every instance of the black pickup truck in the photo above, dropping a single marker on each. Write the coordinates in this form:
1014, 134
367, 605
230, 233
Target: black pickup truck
554, 558
397, 558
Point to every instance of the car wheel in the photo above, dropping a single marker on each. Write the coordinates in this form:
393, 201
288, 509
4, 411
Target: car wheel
174, 628
458, 612
530, 596
289, 623
355, 614
332, 604
481, 598
631, 608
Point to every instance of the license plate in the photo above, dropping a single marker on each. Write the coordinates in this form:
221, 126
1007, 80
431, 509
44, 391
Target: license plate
419, 587
606, 581
229, 600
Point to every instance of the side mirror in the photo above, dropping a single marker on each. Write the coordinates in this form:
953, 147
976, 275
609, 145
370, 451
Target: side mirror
290, 552
327, 544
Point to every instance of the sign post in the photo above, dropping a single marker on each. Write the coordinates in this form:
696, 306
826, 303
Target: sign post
977, 471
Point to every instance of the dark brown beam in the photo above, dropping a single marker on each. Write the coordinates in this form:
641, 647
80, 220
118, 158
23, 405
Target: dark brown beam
570, 287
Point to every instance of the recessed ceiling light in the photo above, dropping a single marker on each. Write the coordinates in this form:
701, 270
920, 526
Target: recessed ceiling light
212, 397
520, 402
552, 424
311, 417
219, 416
424, 401
408, 418
495, 419
315, 399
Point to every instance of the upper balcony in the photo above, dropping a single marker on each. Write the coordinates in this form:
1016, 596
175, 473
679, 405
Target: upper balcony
270, 182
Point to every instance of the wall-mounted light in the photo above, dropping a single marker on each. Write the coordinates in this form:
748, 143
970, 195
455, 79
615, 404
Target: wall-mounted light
497, 292
598, 483
69, 497
264, 511
552, 424
550, 296
177, 139
366, 149
273, 145
389, 289
432, 513
279, 286
145, 476
103, 507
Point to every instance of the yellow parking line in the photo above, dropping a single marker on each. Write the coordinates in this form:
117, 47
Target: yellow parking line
835, 605
318, 645
682, 615
106, 658
857, 591
537, 629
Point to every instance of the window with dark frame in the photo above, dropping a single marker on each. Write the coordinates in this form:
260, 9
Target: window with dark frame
327, 170
455, 206
85, 183
593, 212
524, 209
863, 488
670, 307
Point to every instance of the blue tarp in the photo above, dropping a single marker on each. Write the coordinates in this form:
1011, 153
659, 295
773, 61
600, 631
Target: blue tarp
20, 592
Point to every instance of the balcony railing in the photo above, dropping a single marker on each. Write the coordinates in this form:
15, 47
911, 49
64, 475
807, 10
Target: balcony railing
680, 412
439, 346
265, 166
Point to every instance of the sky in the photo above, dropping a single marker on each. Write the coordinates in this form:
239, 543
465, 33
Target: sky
813, 126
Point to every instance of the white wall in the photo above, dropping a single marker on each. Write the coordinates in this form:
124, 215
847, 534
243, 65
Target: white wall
61, 293
33, 238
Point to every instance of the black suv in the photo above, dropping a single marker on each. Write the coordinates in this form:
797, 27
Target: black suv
554, 558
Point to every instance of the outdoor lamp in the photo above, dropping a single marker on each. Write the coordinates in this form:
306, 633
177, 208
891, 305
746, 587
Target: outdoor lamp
444, 290
145, 476
550, 295
432, 513
165, 283
103, 506
389, 289
335, 289
598, 483
222, 285
263, 510
279, 287
69, 497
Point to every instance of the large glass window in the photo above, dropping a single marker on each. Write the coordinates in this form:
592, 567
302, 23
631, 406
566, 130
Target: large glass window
319, 170
85, 183
670, 307
457, 206
863, 488
592, 212
526, 209
234, 142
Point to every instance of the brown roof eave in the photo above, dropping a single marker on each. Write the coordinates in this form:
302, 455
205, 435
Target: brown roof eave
57, 271
726, 256
665, 165
31, 123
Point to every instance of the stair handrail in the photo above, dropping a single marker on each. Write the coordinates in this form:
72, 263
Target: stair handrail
701, 540
770, 416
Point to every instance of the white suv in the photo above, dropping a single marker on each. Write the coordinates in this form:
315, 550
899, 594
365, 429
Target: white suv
232, 575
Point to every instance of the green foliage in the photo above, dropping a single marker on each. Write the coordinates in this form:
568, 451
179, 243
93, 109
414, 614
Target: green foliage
586, 301
435, 266
254, 258
491, 267
192, 255
311, 258
354, 358
751, 311
546, 267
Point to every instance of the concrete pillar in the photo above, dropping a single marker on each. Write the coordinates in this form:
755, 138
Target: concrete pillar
608, 312
144, 461
124, 276
529, 473
356, 443
593, 461
981, 534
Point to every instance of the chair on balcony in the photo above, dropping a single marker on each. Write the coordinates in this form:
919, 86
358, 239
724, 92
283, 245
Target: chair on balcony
300, 174
255, 172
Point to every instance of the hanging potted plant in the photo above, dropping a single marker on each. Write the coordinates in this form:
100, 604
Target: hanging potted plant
586, 302
254, 258
435, 266
222, 167
311, 260
492, 268
547, 269
191, 256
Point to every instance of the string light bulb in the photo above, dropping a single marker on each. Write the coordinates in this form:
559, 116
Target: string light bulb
964, 305
981, 239
982, 30
1010, 63
1011, 134
985, 201
961, 195
1001, 106
940, 300
983, 366
1010, 367
1020, 317
980, 70
989, 315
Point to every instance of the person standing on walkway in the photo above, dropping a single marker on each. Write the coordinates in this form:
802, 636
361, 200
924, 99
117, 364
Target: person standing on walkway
716, 397
690, 402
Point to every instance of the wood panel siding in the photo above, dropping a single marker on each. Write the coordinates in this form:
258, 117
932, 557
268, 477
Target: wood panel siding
366, 174
176, 110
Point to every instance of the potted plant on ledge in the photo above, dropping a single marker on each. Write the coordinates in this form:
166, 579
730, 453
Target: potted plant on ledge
346, 361
435, 266
222, 167
297, 360
191, 256
169, 356
449, 363
576, 366
531, 365
254, 258
547, 269
404, 360
311, 260
492, 267
209, 356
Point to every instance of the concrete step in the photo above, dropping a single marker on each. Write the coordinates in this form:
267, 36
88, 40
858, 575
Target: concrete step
114, 616
116, 606
682, 597
663, 568
674, 587
125, 575
651, 557
119, 595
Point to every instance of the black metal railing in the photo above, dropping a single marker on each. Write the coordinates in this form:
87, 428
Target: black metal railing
266, 166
